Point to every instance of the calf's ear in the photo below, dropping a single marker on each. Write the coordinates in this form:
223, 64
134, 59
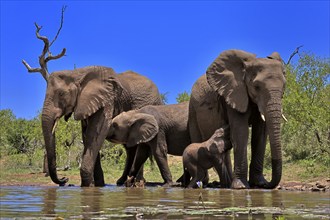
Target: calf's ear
143, 129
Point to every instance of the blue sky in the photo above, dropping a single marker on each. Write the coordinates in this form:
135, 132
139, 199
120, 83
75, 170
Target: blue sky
171, 42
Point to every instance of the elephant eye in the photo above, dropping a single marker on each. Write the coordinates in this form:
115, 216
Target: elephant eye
61, 93
115, 125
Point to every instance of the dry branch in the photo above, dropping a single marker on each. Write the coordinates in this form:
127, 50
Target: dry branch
46, 55
294, 53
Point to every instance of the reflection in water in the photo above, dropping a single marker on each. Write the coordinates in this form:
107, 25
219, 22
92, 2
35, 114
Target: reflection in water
49, 202
91, 200
159, 203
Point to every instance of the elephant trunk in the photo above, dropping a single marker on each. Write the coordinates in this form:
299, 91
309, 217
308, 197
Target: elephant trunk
49, 118
273, 123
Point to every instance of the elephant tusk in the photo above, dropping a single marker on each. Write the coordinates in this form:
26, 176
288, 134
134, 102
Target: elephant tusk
54, 127
262, 117
286, 120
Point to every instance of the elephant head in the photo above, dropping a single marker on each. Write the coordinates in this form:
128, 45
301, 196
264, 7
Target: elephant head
221, 140
81, 92
241, 78
132, 128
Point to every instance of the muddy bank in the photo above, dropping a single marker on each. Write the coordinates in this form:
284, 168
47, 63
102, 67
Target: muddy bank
39, 179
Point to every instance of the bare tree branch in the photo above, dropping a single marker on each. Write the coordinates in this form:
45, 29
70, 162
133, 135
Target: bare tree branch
61, 25
43, 59
294, 53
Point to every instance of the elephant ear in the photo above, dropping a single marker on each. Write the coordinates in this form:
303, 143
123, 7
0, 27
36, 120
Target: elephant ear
97, 89
144, 128
226, 76
275, 56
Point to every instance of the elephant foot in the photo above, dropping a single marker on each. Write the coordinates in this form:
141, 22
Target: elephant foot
99, 183
133, 182
239, 184
121, 181
184, 179
168, 184
130, 181
181, 179
258, 181
140, 179
86, 181
225, 184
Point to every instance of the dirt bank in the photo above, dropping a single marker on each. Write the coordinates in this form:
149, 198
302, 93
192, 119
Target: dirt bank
39, 179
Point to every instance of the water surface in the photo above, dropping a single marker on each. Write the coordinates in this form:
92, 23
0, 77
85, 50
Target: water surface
114, 202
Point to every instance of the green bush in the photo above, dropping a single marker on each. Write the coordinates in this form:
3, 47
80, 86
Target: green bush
306, 103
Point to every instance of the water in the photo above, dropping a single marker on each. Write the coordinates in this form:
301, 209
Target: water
114, 202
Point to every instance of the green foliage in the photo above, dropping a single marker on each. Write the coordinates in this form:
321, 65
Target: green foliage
183, 97
7, 119
113, 154
68, 143
306, 103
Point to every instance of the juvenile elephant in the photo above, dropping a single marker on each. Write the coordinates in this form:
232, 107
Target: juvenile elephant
199, 157
95, 95
161, 129
242, 90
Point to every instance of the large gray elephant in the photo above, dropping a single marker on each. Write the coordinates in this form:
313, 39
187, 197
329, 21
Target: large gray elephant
161, 129
241, 90
95, 95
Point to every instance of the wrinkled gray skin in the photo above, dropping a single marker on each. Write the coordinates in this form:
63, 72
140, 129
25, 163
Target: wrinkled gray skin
161, 129
236, 90
95, 95
199, 157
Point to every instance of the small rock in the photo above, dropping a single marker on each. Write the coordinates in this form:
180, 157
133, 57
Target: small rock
320, 185
315, 189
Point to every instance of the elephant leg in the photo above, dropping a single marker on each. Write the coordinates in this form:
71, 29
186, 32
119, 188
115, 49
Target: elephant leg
199, 175
258, 146
130, 155
159, 150
94, 135
185, 178
226, 175
98, 172
162, 163
205, 178
239, 133
141, 156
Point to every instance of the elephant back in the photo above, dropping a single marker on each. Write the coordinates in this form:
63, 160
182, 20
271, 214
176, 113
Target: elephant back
140, 90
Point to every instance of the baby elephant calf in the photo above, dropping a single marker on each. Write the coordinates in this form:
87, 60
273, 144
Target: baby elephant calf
199, 157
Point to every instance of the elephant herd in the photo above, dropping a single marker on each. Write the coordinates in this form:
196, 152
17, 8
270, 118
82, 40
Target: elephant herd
238, 91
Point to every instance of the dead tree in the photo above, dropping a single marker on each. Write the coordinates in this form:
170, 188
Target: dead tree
46, 56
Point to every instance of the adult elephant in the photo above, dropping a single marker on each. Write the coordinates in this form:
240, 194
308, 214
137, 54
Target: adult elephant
95, 95
160, 129
241, 90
